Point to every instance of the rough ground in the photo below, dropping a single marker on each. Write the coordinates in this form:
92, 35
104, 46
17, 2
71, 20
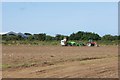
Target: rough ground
60, 62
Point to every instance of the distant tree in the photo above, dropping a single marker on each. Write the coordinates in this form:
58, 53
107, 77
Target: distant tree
20, 37
49, 38
108, 37
119, 37
115, 37
27, 34
72, 36
31, 38
80, 35
41, 36
59, 37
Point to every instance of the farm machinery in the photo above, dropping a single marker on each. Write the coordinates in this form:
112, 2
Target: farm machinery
72, 43
92, 44
64, 42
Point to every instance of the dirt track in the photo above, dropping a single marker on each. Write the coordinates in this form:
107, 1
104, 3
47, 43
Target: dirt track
57, 61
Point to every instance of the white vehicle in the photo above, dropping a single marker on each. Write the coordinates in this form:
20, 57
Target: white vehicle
63, 42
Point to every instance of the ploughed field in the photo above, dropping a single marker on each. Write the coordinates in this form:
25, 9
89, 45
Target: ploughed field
59, 62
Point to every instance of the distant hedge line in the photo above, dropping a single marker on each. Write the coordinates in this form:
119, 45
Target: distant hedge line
80, 35
42, 43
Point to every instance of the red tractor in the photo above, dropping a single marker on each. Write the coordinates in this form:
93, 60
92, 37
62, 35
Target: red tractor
91, 43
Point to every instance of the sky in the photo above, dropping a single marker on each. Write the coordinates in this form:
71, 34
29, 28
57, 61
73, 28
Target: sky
60, 17
60, 0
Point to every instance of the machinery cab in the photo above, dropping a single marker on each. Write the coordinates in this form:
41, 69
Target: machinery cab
64, 42
91, 43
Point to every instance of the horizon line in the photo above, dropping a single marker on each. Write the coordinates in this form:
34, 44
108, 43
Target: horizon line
57, 33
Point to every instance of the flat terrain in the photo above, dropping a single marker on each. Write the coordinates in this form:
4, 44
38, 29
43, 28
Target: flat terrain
59, 62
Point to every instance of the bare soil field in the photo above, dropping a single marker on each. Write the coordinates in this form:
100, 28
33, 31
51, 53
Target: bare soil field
59, 62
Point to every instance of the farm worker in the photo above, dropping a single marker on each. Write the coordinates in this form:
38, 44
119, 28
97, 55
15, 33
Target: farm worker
64, 41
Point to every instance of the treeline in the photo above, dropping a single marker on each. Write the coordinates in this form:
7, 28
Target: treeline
80, 35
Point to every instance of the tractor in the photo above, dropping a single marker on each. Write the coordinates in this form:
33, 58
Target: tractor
92, 43
64, 42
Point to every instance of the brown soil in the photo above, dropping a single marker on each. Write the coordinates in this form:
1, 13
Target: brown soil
59, 62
